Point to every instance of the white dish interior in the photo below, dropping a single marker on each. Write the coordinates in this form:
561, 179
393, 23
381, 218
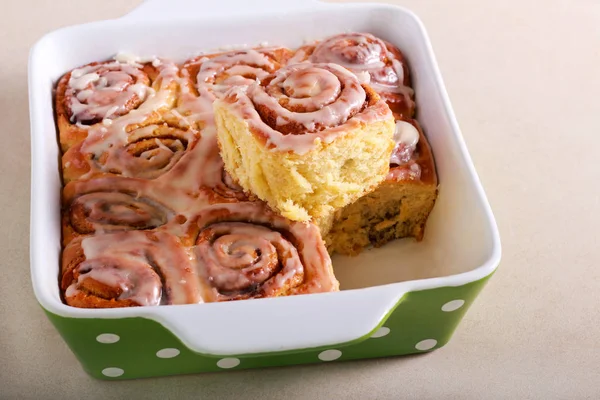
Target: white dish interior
461, 243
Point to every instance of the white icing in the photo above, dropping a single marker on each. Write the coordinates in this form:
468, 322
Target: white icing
139, 89
136, 250
367, 54
406, 134
136, 281
127, 58
397, 65
313, 90
81, 126
135, 60
192, 108
83, 81
111, 111
250, 62
77, 73
84, 95
406, 137
363, 77
300, 56
281, 121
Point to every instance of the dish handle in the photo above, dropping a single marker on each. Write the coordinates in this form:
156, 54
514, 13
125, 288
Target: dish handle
179, 9
282, 324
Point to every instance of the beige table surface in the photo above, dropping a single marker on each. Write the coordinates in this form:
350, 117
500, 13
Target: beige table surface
524, 78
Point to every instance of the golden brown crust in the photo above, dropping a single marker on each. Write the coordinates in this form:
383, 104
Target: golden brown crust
69, 134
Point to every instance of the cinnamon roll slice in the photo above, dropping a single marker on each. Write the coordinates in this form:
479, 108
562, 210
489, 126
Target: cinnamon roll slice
308, 139
128, 269
401, 204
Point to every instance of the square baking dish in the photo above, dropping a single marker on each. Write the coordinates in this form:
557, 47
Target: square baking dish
404, 298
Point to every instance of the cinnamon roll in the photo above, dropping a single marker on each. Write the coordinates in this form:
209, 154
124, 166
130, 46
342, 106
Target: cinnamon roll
111, 204
146, 152
375, 62
244, 250
90, 98
206, 77
221, 71
128, 269
308, 139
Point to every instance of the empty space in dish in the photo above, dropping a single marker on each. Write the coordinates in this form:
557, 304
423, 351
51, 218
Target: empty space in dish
458, 237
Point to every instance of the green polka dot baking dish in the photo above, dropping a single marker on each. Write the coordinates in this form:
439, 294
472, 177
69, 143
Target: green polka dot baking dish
404, 297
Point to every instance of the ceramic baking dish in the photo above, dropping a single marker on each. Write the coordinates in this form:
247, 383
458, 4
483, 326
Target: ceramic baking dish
404, 298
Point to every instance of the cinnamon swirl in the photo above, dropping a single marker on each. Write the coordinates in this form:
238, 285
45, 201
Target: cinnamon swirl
244, 250
113, 204
221, 71
374, 61
92, 97
128, 269
146, 152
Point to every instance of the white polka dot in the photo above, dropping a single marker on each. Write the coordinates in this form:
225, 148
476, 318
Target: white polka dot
381, 332
108, 338
426, 344
228, 362
112, 372
453, 305
330, 355
167, 353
